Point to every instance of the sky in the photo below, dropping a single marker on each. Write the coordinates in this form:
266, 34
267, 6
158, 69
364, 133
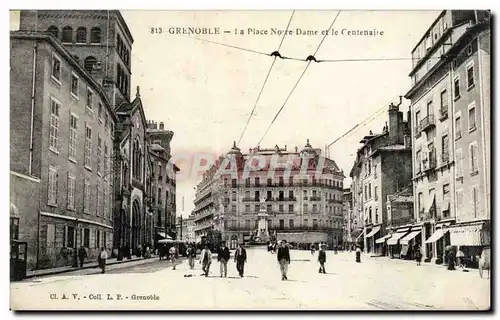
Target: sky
204, 92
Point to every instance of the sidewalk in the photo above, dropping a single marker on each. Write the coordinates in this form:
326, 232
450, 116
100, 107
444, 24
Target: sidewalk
86, 265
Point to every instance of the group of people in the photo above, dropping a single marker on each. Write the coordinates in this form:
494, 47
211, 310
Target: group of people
223, 257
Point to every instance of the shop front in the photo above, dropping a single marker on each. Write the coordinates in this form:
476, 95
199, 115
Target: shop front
370, 240
382, 243
441, 239
410, 243
393, 242
471, 239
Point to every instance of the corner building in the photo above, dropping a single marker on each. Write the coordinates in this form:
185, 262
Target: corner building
61, 144
304, 203
450, 100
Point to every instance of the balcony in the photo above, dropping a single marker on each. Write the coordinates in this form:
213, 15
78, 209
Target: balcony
443, 113
431, 162
249, 199
315, 199
427, 123
330, 201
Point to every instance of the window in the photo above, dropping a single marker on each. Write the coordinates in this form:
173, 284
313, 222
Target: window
74, 85
459, 202
86, 196
95, 35
99, 111
314, 195
290, 223
290, 208
375, 171
306, 208
418, 163
54, 125
315, 223
257, 196
458, 126
281, 181
269, 195
290, 181
446, 191
233, 196
417, 120
290, 194
233, 182
52, 186
269, 182
306, 223
473, 162
475, 200
86, 238
459, 163
14, 229
106, 159
305, 194
69, 237
56, 68
376, 193
444, 101
472, 116
88, 147
281, 195
81, 35
430, 109
247, 208
257, 182
71, 191
54, 30
281, 209
370, 191
456, 88
72, 136
67, 35
99, 204
257, 208
233, 208
99, 156
269, 208
247, 182
421, 203
89, 64
470, 76
282, 224
315, 207
445, 155
376, 215
366, 192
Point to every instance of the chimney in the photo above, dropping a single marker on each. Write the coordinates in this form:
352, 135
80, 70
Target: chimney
161, 126
394, 123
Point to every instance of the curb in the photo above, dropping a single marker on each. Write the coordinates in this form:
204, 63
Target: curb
49, 273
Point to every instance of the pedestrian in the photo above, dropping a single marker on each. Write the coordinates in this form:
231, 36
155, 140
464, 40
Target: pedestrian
335, 249
223, 257
418, 255
206, 260
82, 254
451, 260
191, 254
460, 258
358, 254
102, 259
283, 259
312, 249
322, 259
173, 256
240, 257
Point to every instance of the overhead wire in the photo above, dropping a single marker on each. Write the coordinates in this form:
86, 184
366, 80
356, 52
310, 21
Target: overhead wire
310, 59
265, 81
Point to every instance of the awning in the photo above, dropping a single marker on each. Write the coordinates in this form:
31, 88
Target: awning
14, 211
432, 196
395, 238
409, 237
443, 224
436, 236
360, 235
373, 232
466, 235
383, 239
163, 235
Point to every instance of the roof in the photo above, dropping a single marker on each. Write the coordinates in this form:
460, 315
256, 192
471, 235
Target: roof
70, 59
124, 24
392, 148
428, 30
157, 147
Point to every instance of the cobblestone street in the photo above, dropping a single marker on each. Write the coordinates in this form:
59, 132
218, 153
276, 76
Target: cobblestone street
374, 284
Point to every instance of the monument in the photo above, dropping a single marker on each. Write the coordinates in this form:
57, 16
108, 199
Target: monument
263, 232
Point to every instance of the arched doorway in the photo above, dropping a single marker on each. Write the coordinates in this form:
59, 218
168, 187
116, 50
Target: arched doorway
136, 224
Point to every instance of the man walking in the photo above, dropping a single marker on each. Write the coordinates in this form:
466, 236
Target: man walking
322, 259
191, 254
223, 258
206, 260
283, 259
240, 257
102, 259
173, 256
82, 254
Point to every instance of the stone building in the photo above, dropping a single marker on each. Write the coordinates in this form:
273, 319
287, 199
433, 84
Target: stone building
163, 180
302, 193
450, 101
382, 167
61, 143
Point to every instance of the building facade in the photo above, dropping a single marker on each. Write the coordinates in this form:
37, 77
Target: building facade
382, 167
450, 101
302, 193
68, 160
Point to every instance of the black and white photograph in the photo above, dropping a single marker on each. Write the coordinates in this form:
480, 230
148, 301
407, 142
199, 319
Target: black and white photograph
247, 160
